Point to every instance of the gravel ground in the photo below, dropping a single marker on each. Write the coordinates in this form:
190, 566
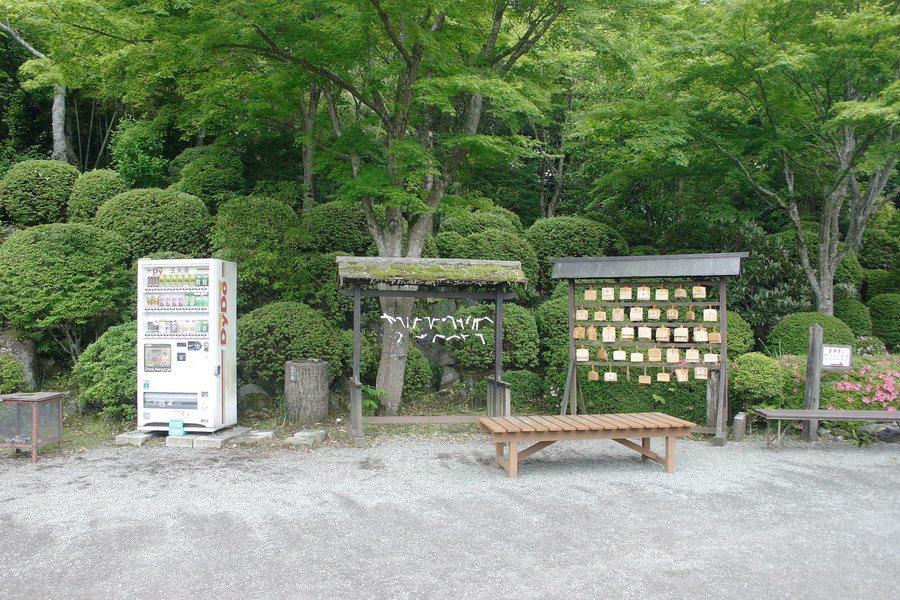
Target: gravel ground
432, 518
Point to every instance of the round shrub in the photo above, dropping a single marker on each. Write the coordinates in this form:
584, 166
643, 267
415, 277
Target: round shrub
12, 375
92, 189
855, 314
740, 335
155, 220
447, 244
791, 334
512, 217
869, 344
260, 236
885, 310
880, 248
757, 379
881, 281
65, 278
499, 244
467, 223
106, 372
558, 237
35, 191
336, 227
316, 284
188, 155
520, 338
137, 148
524, 386
212, 173
282, 331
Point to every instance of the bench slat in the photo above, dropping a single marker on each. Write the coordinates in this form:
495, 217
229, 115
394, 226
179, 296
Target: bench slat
830, 415
552, 426
562, 422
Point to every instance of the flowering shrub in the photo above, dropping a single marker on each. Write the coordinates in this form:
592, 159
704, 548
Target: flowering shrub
870, 385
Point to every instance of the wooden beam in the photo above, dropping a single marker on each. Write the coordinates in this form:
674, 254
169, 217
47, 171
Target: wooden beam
421, 420
640, 449
533, 448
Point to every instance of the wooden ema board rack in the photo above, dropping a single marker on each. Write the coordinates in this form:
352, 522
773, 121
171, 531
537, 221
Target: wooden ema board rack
508, 432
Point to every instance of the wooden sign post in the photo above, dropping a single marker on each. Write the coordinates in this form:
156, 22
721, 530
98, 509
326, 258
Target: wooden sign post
813, 379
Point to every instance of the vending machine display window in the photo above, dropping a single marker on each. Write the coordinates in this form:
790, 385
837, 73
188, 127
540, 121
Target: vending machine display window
157, 358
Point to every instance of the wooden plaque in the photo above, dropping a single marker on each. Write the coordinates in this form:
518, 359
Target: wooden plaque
673, 355
624, 293
643, 293
590, 294
662, 293
608, 293
636, 313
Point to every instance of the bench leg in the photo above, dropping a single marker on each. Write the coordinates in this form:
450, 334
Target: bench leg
670, 454
645, 443
513, 468
498, 450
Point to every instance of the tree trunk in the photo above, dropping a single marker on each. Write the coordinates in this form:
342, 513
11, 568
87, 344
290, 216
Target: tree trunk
61, 149
394, 346
305, 392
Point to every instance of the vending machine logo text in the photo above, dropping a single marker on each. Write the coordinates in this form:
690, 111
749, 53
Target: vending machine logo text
223, 310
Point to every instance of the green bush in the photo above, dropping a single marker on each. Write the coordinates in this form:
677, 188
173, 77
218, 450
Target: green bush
155, 220
317, 286
559, 237
106, 373
512, 217
212, 173
791, 334
12, 375
188, 155
855, 314
552, 319
91, 190
885, 309
35, 191
137, 152
757, 379
879, 250
499, 244
419, 376
683, 400
448, 243
525, 386
68, 279
881, 281
261, 236
520, 338
282, 331
336, 227
467, 223
869, 344
740, 335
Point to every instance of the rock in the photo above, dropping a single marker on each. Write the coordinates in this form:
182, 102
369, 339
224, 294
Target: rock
24, 352
257, 436
449, 377
249, 389
885, 432
306, 438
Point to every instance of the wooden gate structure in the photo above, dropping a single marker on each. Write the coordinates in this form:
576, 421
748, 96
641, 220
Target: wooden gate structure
593, 310
483, 280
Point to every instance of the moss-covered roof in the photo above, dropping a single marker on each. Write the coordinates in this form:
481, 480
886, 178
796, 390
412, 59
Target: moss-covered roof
428, 271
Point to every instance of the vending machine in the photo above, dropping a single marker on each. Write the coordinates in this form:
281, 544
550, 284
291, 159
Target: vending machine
186, 367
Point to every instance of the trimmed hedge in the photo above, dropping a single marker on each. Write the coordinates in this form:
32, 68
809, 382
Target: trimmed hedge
282, 331
336, 227
215, 172
791, 334
261, 236
316, 284
558, 237
12, 375
137, 151
187, 156
869, 344
499, 244
885, 309
467, 223
91, 190
35, 191
70, 277
525, 386
106, 373
552, 320
155, 220
683, 400
879, 250
855, 314
520, 338
881, 281
740, 335
757, 379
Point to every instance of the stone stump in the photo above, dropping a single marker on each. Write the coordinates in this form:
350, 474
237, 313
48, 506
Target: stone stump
306, 392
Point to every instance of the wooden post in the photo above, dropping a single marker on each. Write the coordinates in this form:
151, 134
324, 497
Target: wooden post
813, 379
722, 402
356, 430
306, 392
572, 375
498, 338
645, 444
35, 429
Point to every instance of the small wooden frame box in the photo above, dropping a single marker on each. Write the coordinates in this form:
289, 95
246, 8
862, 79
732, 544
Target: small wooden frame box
31, 420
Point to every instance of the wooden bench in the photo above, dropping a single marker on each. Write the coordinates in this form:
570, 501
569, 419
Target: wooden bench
780, 415
546, 429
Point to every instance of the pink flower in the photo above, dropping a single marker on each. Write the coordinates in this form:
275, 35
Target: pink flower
891, 409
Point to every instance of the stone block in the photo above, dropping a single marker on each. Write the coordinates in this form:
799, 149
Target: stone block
739, 427
136, 438
306, 438
263, 436
218, 439
180, 441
